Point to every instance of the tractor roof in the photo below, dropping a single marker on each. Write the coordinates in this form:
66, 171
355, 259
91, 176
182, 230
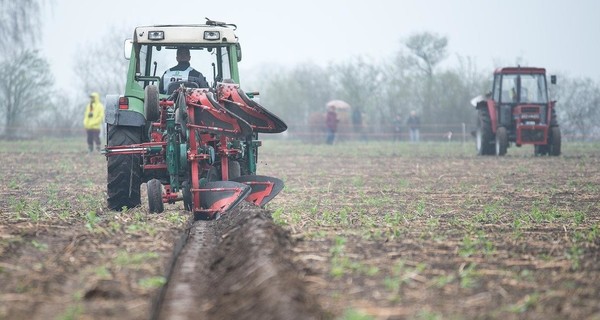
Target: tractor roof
520, 70
174, 34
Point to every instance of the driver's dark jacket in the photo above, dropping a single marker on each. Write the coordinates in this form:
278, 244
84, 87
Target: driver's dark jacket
183, 66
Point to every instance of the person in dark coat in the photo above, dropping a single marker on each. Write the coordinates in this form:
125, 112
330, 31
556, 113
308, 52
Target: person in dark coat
331, 122
414, 124
183, 71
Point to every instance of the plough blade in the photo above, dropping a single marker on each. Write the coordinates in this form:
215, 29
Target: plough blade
264, 188
220, 196
261, 122
237, 102
211, 117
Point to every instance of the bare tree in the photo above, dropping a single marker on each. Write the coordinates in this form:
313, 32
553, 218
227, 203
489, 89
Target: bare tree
578, 106
297, 94
24, 88
430, 48
20, 22
100, 66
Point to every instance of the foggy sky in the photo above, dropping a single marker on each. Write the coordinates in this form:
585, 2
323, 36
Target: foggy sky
560, 35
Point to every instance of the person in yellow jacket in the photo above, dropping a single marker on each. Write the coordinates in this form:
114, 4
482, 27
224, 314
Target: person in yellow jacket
92, 121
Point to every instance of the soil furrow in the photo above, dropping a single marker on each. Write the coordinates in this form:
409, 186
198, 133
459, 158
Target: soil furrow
238, 267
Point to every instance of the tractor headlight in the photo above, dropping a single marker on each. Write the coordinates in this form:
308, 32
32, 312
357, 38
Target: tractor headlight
212, 35
156, 35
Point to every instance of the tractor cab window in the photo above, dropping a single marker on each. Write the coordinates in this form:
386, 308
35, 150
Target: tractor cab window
523, 88
509, 89
211, 62
497, 90
533, 88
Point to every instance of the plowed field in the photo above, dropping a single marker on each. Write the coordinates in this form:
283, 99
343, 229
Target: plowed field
361, 231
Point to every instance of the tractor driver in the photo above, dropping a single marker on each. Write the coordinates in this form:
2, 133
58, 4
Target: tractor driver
182, 72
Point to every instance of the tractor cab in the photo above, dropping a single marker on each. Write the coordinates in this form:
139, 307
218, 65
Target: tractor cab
213, 51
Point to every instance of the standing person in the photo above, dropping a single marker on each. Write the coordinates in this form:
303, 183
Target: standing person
357, 122
183, 71
92, 121
331, 122
414, 123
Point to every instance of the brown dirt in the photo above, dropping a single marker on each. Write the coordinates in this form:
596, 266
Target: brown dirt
238, 267
416, 233
367, 231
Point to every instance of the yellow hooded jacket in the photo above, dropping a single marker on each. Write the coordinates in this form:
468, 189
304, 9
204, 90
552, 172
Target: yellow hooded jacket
94, 113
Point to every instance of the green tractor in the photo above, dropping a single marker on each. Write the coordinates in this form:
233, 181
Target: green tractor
188, 138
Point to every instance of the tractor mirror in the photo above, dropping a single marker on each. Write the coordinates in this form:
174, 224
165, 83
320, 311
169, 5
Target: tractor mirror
238, 51
553, 79
127, 48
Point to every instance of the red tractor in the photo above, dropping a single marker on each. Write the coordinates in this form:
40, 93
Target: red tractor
517, 110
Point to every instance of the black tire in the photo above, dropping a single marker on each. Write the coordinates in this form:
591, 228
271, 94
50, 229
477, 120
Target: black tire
181, 116
501, 141
540, 150
235, 170
124, 171
555, 141
553, 118
484, 135
213, 174
155, 203
151, 105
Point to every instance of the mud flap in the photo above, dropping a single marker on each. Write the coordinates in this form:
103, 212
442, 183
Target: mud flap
264, 188
218, 197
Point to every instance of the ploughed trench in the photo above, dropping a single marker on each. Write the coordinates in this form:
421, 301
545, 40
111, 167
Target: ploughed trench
237, 267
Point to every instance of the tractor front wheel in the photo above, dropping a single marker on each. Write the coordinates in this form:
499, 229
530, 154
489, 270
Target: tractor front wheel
155, 203
124, 171
484, 134
151, 105
501, 141
540, 150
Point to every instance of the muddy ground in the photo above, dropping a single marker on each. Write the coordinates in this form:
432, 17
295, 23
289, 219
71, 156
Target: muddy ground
361, 231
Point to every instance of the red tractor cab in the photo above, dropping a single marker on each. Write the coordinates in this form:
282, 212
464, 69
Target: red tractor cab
517, 111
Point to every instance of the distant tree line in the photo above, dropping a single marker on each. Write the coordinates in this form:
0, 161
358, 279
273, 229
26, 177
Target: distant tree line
29, 99
410, 79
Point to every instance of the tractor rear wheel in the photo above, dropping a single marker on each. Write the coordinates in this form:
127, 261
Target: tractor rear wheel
155, 203
501, 141
484, 134
151, 106
555, 141
124, 171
